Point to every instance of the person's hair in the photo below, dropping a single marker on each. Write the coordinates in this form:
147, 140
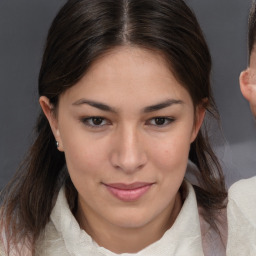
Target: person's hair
252, 28
82, 31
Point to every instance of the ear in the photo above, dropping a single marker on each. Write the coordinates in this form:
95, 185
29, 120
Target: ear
248, 88
245, 86
51, 115
199, 118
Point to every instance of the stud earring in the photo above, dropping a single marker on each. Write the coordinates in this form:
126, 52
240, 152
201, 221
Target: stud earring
57, 144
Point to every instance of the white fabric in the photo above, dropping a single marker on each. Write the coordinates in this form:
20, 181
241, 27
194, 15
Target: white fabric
64, 237
241, 213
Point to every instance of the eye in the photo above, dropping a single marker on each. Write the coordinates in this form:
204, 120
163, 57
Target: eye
160, 121
95, 121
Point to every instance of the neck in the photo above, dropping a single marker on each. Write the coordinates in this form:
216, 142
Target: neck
129, 240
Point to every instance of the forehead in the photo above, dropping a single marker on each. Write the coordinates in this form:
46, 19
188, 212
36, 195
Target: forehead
129, 72
127, 61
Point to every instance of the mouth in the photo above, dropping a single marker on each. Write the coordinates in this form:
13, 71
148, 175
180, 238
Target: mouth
128, 192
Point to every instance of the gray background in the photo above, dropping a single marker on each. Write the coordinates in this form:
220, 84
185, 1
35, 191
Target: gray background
23, 29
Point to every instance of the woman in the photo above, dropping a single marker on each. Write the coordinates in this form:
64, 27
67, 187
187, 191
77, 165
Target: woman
124, 87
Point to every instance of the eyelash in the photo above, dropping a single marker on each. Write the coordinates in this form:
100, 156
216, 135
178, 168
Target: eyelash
167, 121
88, 121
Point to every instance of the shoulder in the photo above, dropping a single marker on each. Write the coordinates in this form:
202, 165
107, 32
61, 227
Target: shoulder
242, 198
2, 251
21, 248
241, 213
61, 225
246, 185
214, 240
2, 241
50, 242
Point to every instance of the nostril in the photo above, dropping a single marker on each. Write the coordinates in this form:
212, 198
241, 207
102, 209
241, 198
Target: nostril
129, 165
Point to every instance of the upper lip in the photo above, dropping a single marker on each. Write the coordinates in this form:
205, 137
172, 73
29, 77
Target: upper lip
123, 186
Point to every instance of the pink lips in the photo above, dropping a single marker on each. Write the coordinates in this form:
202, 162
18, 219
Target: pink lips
128, 192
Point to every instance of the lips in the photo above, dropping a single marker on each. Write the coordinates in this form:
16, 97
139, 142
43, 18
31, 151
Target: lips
128, 192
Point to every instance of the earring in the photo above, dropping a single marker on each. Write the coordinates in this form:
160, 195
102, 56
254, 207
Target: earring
57, 144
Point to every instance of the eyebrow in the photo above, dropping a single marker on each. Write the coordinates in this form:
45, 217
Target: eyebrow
95, 104
104, 107
161, 105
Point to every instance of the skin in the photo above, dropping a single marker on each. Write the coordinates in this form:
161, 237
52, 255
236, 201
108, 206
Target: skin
248, 82
127, 145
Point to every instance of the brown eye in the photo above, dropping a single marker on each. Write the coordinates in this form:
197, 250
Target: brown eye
97, 120
160, 121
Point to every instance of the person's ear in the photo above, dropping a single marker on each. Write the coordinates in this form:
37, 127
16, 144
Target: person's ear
51, 115
245, 85
199, 118
248, 88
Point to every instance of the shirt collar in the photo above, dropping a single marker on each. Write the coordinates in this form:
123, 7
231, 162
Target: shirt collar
183, 238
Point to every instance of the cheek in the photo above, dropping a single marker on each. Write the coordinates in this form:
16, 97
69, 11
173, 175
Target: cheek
82, 152
85, 164
172, 153
171, 162
83, 156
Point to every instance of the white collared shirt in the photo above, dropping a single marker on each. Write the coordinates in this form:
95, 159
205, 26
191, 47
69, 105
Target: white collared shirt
63, 235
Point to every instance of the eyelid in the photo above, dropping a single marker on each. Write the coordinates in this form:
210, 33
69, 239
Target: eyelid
167, 118
88, 121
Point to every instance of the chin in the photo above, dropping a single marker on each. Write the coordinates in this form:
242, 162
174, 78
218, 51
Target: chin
132, 220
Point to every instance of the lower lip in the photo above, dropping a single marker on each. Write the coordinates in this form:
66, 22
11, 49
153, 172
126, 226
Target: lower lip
129, 195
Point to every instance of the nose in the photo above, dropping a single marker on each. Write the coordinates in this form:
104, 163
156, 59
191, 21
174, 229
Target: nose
128, 152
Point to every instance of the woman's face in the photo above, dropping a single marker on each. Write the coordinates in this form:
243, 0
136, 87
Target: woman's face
126, 129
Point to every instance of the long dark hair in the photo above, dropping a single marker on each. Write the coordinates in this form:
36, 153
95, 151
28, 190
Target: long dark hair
83, 31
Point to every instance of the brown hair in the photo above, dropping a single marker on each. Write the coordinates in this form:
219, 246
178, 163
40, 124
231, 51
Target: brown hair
252, 28
82, 31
